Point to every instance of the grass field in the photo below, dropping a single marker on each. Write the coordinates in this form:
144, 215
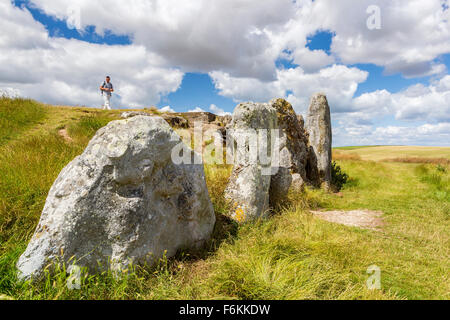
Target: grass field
293, 255
379, 153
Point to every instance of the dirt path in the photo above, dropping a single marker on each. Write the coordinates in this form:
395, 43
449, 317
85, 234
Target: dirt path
56, 119
364, 219
63, 133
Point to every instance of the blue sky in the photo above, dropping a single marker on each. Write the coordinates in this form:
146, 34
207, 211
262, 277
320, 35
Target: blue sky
58, 27
197, 90
375, 92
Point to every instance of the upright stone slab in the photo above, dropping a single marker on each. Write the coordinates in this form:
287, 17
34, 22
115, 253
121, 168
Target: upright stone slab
293, 151
123, 200
318, 125
248, 187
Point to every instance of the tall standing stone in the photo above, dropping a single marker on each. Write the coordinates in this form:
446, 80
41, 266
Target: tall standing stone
248, 187
318, 125
293, 151
122, 201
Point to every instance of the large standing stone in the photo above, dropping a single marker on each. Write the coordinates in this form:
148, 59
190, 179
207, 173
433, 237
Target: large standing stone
248, 188
293, 151
318, 125
123, 200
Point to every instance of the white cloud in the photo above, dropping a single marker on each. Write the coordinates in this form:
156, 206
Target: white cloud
245, 38
167, 109
9, 93
220, 112
356, 118
428, 134
228, 35
427, 107
312, 60
416, 103
238, 44
197, 109
338, 82
19, 30
240, 89
69, 72
413, 33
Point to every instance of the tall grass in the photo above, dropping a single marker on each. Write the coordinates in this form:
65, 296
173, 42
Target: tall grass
29, 164
292, 256
27, 169
87, 126
16, 115
438, 179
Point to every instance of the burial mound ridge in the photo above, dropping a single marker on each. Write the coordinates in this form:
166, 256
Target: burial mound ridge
138, 192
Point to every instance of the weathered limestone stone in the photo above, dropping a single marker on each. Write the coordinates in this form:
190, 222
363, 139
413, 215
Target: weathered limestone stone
193, 117
176, 121
123, 200
173, 120
280, 184
224, 121
293, 151
131, 114
248, 187
318, 125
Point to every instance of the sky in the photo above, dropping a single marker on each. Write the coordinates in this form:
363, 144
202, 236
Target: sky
383, 64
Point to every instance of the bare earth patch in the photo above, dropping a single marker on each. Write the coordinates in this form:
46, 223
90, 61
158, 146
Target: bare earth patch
365, 219
63, 133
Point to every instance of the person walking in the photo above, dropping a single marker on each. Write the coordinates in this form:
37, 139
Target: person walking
107, 89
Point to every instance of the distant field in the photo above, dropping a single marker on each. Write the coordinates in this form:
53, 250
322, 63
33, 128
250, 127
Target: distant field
378, 153
355, 147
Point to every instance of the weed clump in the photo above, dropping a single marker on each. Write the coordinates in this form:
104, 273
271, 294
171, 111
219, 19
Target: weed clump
338, 177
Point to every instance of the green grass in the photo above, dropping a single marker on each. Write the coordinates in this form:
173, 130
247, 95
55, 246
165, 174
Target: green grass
87, 126
413, 251
292, 255
16, 115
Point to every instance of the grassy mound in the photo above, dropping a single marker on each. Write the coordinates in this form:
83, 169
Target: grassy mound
293, 255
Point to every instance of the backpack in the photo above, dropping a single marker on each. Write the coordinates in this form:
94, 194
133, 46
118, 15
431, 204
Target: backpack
103, 85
